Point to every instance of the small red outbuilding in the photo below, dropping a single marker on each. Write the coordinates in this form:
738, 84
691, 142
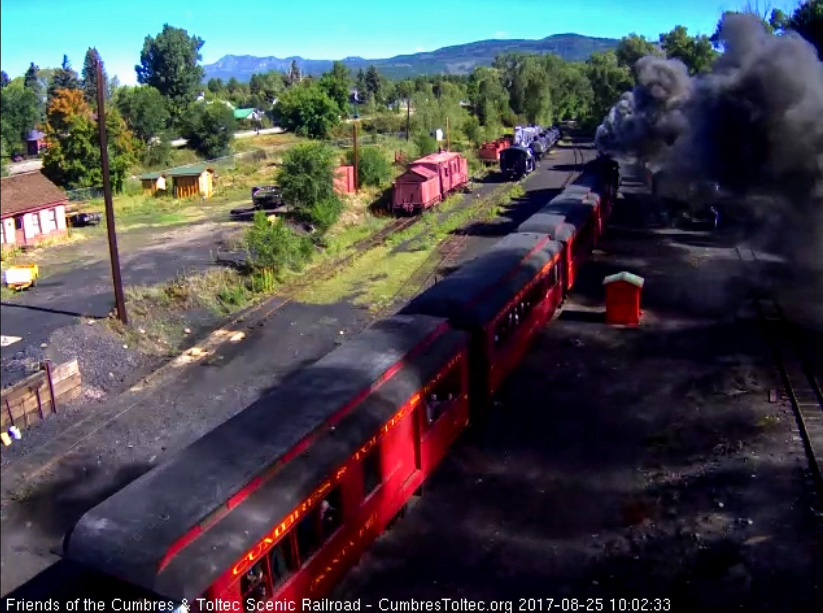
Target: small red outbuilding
623, 299
344, 180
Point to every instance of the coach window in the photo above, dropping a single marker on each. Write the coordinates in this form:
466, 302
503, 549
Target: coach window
281, 561
372, 471
254, 584
442, 394
319, 524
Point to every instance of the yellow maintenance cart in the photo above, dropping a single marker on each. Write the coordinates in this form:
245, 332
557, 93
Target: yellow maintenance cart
21, 277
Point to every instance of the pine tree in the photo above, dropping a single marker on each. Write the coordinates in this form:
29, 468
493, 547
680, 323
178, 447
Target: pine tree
30, 79
64, 78
294, 73
90, 76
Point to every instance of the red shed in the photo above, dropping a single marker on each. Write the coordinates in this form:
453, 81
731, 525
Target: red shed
623, 299
344, 180
416, 189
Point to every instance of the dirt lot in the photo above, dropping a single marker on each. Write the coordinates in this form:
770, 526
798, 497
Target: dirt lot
621, 463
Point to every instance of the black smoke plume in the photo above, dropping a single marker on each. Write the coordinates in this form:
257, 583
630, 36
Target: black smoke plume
754, 125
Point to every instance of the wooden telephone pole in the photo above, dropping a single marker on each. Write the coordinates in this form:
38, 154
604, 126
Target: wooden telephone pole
448, 140
119, 298
408, 116
356, 155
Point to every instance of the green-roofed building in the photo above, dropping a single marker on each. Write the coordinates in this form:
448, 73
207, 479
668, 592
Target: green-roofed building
248, 114
153, 183
188, 181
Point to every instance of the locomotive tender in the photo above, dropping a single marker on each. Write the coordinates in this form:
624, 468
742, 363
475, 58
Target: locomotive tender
278, 501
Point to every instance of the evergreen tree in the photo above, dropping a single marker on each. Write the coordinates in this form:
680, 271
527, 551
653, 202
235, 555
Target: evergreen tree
373, 84
360, 85
90, 77
31, 80
64, 78
294, 73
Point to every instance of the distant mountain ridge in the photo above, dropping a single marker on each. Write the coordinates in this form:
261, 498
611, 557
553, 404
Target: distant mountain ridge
457, 59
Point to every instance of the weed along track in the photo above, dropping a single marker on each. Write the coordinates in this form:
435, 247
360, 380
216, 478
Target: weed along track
801, 386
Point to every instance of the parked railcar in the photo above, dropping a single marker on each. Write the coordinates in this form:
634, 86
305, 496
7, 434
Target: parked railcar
572, 222
428, 181
539, 146
279, 500
516, 162
501, 298
490, 152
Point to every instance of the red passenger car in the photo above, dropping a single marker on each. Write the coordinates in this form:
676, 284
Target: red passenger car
280, 500
572, 222
501, 298
429, 180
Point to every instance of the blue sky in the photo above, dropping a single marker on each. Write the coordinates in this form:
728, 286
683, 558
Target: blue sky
43, 30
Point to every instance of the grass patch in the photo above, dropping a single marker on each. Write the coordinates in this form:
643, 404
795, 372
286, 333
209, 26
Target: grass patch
373, 280
158, 313
379, 277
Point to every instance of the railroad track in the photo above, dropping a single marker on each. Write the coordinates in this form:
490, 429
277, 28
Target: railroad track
329, 269
801, 385
578, 161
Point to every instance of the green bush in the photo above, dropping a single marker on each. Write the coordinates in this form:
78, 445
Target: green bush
424, 143
383, 123
307, 174
323, 214
373, 167
275, 247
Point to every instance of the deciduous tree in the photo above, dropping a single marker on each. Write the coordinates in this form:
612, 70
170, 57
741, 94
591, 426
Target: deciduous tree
696, 52
307, 110
336, 83
632, 47
4, 79
144, 110
807, 20
608, 81
209, 128
169, 63
20, 112
73, 157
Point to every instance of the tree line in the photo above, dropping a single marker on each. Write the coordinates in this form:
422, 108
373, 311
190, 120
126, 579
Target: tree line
517, 88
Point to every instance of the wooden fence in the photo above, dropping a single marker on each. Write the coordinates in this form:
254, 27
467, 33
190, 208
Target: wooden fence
39, 395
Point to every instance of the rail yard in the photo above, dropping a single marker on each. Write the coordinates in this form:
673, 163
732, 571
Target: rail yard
620, 497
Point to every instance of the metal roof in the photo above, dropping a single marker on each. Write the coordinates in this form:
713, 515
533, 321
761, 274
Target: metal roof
437, 158
473, 295
422, 171
626, 277
188, 171
130, 533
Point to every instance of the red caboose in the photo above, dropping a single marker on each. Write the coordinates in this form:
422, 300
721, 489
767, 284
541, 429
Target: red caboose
429, 180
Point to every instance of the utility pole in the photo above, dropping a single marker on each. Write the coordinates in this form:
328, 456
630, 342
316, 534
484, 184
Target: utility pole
356, 155
448, 140
408, 116
119, 298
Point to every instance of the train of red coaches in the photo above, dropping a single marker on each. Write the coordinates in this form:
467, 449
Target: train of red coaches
277, 502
